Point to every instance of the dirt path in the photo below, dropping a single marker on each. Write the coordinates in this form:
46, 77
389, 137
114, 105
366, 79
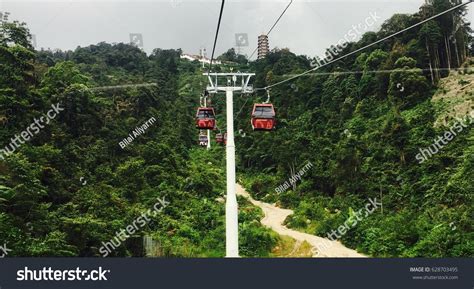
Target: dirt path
274, 218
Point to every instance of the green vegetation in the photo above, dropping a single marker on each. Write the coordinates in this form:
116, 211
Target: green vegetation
71, 187
288, 247
362, 133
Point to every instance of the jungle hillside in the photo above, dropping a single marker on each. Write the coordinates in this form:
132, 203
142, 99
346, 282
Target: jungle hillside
372, 125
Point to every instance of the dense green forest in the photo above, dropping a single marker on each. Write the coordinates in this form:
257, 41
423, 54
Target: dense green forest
362, 132
71, 187
360, 121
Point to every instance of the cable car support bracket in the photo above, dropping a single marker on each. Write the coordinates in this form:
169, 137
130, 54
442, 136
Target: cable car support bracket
232, 80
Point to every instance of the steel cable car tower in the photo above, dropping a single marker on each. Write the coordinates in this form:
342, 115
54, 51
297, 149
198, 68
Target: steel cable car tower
232, 247
231, 208
231, 86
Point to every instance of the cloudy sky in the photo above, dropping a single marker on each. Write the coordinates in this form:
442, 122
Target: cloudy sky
308, 27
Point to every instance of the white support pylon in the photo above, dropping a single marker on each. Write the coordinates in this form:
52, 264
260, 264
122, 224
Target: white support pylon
231, 207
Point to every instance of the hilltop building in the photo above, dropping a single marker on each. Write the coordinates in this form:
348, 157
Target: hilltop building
202, 57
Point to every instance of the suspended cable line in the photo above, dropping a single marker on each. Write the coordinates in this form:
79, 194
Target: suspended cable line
288, 6
124, 86
240, 110
276, 22
376, 71
217, 34
365, 47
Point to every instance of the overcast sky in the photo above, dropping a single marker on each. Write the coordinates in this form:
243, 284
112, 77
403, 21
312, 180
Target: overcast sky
308, 27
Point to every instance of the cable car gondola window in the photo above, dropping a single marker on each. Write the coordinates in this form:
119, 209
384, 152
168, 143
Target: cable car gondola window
205, 114
263, 112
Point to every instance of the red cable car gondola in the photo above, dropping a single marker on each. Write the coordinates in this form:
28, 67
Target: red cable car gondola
219, 138
263, 117
203, 140
205, 118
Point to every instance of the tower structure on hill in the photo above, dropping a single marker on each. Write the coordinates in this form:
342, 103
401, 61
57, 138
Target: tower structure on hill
263, 47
